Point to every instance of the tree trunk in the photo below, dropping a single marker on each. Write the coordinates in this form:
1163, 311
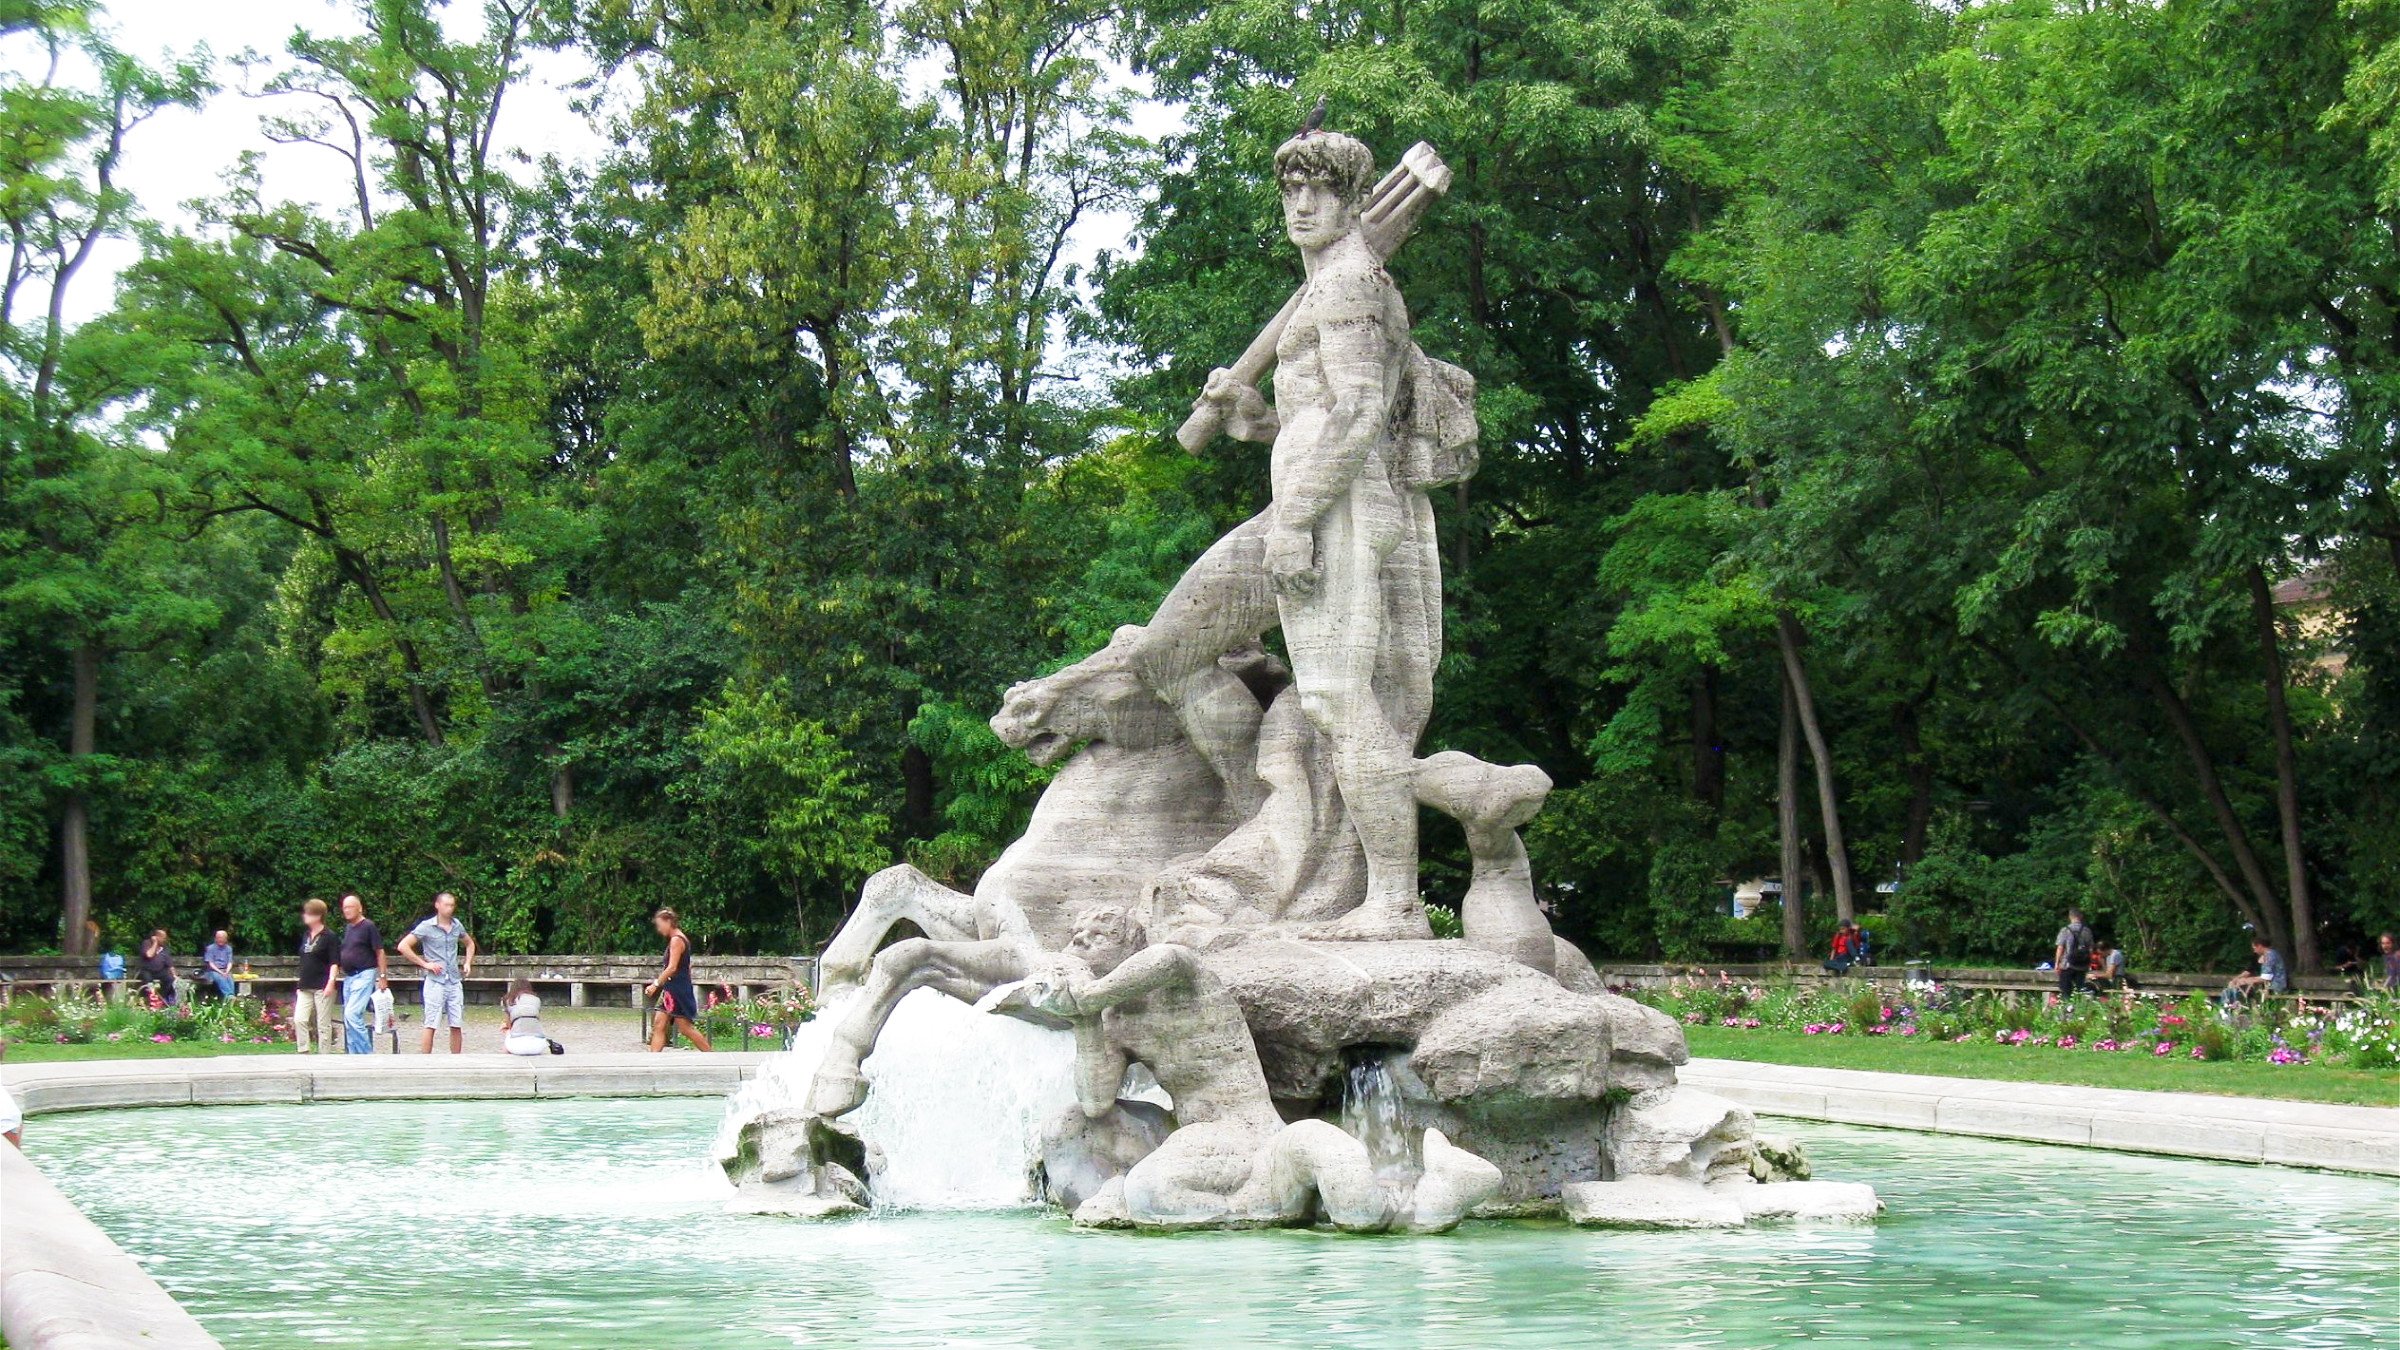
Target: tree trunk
412, 666
1787, 823
562, 792
1919, 771
1708, 757
2287, 777
917, 791
1837, 858
2220, 807
75, 859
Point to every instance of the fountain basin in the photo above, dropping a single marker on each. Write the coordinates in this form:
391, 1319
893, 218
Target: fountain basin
599, 1222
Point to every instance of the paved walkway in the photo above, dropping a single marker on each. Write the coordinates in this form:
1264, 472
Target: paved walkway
2183, 1124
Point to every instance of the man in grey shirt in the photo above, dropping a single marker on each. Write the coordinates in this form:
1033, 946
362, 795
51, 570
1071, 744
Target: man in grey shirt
445, 951
2272, 974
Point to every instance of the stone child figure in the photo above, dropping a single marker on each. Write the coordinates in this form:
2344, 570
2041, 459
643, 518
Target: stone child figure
1345, 560
1231, 1161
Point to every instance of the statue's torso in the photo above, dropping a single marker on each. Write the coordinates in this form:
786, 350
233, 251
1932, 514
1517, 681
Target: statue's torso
1350, 288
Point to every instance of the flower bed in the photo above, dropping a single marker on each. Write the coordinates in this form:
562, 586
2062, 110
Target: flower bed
2282, 1032
88, 1021
772, 1019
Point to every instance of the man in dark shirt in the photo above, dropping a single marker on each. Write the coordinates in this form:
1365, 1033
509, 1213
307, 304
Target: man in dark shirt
312, 1002
362, 973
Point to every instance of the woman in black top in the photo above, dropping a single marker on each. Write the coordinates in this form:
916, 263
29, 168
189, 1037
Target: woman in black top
678, 1002
158, 966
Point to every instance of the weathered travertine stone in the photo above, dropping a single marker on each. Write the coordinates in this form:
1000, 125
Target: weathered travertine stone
1778, 1157
775, 1170
1682, 1133
1231, 1160
1818, 1200
1651, 1202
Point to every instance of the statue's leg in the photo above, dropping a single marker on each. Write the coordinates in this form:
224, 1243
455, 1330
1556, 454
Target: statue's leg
1335, 636
964, 970
1315, 1157
893, 894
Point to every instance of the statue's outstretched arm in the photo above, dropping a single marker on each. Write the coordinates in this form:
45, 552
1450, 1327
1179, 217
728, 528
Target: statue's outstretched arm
1146, 971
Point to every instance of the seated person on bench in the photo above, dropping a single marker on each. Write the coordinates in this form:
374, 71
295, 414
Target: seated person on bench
2273, 976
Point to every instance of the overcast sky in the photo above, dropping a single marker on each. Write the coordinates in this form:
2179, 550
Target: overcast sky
182, 155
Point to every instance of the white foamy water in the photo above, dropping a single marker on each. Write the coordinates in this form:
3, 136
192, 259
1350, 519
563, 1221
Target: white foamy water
956, 1103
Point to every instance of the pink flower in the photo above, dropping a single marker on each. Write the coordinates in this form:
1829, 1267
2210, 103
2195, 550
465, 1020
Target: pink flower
225, 1038
1691, 1019
1750, 1023
2171, 1020
2168, 1048
2066, 1042
161, 1037
1962, 1038
1731, 1022
1909, 1030
761, 1029
2281, 1055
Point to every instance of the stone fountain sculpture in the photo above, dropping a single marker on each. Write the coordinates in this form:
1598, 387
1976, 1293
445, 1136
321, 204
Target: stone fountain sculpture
1220, 884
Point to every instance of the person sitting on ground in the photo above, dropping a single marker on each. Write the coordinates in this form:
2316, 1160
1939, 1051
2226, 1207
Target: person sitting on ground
2073, 954
521, 1022
158, 967
2273, 976
1845, 950
216, 964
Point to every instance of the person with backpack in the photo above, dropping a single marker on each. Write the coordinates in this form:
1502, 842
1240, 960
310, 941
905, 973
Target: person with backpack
2073, 958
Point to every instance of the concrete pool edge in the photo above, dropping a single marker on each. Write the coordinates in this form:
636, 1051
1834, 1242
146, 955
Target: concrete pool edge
66, 1285
2363, 1139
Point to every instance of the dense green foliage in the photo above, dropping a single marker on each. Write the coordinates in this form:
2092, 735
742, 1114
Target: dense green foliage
1970, 429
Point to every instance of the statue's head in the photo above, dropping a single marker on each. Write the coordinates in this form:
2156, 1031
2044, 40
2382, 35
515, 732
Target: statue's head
1105, 935
1324, 176
1099, 698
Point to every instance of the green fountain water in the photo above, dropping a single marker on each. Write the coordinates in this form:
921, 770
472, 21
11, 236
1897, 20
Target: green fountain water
597, 1223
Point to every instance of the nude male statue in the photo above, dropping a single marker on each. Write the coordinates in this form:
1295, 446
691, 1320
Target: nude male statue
1231, 1161
1345, 559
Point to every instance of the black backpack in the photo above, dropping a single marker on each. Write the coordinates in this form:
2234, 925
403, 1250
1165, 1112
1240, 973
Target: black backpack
2079, 947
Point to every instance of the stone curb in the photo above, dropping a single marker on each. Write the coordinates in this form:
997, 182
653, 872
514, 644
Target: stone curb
65, 1285
2178, 1124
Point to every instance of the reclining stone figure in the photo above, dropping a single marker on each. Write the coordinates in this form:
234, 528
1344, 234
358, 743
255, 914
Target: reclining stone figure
1231, 1161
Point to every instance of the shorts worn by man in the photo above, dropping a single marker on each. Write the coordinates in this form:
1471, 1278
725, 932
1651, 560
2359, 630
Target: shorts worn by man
442, 948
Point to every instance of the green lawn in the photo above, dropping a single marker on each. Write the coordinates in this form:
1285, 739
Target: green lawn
44, 1052
2022, 1064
